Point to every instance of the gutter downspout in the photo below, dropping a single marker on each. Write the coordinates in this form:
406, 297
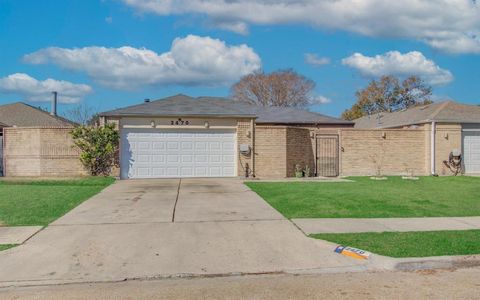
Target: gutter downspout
432, 149
252, 124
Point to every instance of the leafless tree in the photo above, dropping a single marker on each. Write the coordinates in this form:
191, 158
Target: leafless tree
82, 114
284, 88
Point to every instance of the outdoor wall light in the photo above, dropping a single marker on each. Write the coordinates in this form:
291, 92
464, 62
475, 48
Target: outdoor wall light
445, 135
312, 134
207, 125
384, 135
152, 123
248, 134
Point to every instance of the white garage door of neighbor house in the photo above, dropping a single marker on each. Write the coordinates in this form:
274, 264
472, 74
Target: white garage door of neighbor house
471, 151
164, 153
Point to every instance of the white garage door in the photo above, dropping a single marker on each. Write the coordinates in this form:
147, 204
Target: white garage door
155, 153
471, 151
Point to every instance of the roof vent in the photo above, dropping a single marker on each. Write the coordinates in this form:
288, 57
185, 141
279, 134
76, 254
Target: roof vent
146, 100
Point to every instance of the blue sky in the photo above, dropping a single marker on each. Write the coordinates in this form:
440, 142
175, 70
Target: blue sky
274, 37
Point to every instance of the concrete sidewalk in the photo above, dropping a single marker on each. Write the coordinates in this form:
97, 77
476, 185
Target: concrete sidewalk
352, 225
17, 234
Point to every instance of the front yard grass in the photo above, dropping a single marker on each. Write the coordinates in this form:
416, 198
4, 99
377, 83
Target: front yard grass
366, 198
410, 244
40, 202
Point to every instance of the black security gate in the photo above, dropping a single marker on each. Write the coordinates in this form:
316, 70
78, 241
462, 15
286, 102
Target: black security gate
327, 155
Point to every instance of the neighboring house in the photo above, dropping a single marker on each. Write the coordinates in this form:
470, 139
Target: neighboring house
181, 136
449, 125
20, 114
36, 142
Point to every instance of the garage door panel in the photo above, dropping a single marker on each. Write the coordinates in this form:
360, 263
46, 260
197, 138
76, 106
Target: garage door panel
215, 158
186, 146
151, 153
201, 146
201, 158
471, 152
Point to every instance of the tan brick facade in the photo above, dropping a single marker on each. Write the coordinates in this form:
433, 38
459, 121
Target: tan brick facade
40, 152
245, 134
276, 149
447, 138
270, 151
384, 152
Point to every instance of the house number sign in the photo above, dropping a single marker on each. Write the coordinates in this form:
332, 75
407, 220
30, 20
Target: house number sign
179, 122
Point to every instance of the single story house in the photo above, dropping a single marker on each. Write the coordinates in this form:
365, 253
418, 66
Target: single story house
34, 142
448, 125
182, 136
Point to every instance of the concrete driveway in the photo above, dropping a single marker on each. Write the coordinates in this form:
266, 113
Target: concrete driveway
164, 228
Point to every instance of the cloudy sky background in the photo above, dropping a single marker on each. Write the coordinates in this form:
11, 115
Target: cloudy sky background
114, 53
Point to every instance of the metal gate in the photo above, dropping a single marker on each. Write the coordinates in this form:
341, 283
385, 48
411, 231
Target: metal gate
327, 155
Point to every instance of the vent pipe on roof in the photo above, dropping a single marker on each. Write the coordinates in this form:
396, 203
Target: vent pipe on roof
53, 111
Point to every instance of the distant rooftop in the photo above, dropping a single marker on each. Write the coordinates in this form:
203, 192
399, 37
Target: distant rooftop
222, 107
23, 115
447, 111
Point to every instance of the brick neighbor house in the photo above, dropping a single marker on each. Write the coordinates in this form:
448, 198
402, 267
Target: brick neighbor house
181, 136
35, 142
447, 126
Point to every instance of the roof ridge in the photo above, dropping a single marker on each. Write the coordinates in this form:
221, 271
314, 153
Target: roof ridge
439, 109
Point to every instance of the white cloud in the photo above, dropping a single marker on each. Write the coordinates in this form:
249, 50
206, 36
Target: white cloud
315, 60
41, 91
398, 64
192, 60
320, 100
449, 25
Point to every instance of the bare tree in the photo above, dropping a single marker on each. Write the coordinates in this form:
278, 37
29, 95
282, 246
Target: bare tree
284, 88
82, 114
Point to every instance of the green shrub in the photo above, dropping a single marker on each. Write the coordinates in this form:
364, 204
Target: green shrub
99, 147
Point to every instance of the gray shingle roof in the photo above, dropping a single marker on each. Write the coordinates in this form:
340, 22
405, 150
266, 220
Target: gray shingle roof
182, 105
448, 111
23, 115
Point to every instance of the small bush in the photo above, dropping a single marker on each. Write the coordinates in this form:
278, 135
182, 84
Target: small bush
99, 147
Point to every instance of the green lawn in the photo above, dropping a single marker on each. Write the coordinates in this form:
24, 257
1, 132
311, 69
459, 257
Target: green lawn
410, 244
7, 246
366, 198
41, 202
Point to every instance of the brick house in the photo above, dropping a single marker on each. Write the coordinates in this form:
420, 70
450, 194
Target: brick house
445, 126
35, 142
181, 136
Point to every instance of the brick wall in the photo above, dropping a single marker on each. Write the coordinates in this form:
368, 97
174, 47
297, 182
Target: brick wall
270, 151
399, 152
280, 148
245, 134
447, 138
300, 150
40, 152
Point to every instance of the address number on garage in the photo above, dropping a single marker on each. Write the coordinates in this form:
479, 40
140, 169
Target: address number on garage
179, 121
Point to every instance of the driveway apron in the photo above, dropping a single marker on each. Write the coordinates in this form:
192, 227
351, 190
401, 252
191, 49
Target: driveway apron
165, 228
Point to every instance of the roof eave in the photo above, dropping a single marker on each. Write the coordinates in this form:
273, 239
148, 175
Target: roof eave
306, 123
214, 116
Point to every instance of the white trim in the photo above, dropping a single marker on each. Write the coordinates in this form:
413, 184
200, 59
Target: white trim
471, 129
177, 127
432, 148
